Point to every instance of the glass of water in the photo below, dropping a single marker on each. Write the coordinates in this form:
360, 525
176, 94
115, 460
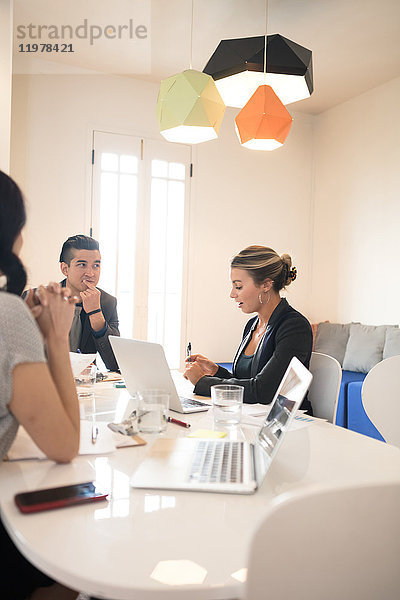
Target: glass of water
85, 383
227, 403
152, 411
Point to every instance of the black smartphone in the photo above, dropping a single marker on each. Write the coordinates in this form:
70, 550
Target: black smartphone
57, 497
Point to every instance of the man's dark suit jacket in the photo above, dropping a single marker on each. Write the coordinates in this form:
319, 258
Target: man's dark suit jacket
288, 334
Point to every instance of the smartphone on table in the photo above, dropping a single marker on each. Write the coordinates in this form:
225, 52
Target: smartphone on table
58, 497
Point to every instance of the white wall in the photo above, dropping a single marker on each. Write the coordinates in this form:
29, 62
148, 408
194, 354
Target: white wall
5, 82
245, 197
356, 245
52, 121
239, 197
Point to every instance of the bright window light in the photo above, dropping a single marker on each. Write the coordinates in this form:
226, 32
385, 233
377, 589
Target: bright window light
166, 258
118, 206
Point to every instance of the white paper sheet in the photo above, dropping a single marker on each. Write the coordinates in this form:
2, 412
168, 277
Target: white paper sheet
107, 441
80, 362
256, 410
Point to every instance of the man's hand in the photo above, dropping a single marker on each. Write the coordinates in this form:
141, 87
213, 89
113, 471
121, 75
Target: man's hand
90, 298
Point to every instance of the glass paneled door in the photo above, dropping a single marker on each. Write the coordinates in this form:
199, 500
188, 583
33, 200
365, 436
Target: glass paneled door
139, 215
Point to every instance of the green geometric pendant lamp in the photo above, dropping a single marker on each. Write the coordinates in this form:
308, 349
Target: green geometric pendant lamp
189, 108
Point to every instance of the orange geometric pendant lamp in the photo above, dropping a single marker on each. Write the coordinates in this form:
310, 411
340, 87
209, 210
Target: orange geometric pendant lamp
264, 122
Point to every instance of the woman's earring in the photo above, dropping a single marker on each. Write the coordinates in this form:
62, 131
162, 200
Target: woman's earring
260, 298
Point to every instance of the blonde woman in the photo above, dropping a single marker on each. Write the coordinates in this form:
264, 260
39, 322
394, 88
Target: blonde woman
270, 339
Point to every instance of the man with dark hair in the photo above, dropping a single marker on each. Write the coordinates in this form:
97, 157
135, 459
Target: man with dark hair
96, 316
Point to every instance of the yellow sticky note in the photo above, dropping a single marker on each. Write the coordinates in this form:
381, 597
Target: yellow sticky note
207, 433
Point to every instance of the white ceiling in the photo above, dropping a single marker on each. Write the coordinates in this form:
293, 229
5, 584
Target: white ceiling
355, 43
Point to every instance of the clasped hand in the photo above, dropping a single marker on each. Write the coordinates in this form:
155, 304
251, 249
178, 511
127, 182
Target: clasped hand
53, 308
197, 366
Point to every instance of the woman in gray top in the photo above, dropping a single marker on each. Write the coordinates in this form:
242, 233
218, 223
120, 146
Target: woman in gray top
270, 339
47, 406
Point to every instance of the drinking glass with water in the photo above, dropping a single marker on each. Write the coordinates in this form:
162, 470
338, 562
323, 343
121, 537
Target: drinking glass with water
152, 411
85, 383
227, 404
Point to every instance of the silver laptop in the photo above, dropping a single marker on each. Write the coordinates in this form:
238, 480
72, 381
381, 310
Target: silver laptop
143, 366
210, 465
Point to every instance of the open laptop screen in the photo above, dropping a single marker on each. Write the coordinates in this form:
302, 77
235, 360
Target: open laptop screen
288, 397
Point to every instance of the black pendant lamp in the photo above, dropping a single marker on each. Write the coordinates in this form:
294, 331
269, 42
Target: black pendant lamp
237, 67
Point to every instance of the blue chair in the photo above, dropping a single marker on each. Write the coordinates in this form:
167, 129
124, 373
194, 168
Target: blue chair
347, 378
357, 418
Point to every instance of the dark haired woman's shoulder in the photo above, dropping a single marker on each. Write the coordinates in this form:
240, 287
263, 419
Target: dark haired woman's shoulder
10, 304
7, 299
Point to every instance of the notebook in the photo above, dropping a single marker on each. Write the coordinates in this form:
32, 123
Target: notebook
232, 467
144, 367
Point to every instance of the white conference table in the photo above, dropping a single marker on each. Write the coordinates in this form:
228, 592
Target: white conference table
160, 544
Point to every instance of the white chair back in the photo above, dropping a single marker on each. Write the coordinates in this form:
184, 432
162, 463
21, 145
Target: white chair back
328, 544
324, 389
380, 395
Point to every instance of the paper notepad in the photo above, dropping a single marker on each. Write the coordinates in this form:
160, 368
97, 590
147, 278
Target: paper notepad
107, 441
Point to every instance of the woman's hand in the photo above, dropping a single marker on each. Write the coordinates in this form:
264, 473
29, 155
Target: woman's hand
53, 309
193, 373
206, 365
33, 302
197, 366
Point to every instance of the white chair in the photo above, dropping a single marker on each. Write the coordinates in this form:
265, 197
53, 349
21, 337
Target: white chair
380, 396
328, 544
324, 389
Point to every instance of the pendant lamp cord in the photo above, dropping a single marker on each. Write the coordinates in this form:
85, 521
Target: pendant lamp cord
191, 37
265, 42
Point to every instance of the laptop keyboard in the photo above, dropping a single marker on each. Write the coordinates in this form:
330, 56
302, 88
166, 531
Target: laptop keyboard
217, 462
189, 402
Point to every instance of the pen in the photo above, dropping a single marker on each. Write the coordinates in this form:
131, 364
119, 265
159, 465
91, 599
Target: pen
95, 431
189, 352
176, 422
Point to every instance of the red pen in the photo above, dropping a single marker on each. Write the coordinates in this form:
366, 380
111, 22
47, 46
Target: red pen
181, 423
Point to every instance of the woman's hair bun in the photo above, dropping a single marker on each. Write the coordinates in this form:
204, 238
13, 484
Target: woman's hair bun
262, 262
291, 273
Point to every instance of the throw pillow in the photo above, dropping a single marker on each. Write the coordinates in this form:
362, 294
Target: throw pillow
364, 348
392, 342
332, 339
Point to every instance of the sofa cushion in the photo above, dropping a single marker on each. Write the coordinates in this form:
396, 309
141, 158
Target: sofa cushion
331, 338
392, 342
365, 347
